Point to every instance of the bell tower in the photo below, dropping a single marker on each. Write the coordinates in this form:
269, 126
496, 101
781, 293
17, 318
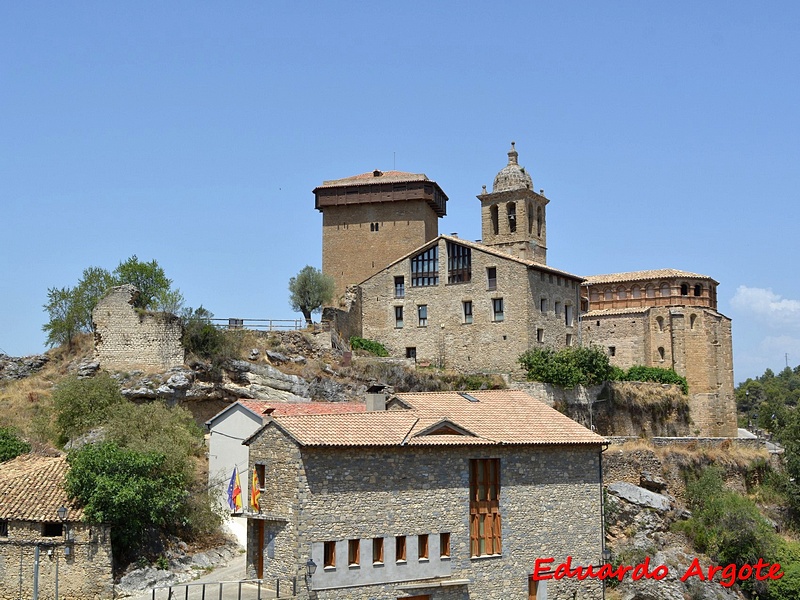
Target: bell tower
513, 215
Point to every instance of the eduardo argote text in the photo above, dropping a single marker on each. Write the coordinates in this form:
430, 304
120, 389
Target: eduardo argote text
728, 575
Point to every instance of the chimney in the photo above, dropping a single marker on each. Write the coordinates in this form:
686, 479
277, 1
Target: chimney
376, 397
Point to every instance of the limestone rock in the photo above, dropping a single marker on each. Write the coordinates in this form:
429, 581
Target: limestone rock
19, 368
639, 496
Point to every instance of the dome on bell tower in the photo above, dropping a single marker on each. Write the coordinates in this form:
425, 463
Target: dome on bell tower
512, 176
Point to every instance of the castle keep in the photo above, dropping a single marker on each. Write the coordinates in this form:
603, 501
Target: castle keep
477, 306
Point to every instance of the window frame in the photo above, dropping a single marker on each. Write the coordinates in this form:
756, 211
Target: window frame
444, 544
353, 553
329, 555
398, 317
422, 315
491, 278
425, 268
377, 551
400, 548
498, 310
485, 523
399, 286
423, 551
466, 309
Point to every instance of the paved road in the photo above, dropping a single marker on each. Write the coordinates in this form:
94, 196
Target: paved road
227, 574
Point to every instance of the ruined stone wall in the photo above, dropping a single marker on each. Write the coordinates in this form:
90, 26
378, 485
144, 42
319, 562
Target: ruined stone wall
368, 493
84, 571
345, 321
127, 338
448, 339
352, 249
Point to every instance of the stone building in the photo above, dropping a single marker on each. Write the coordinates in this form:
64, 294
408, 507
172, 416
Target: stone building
431, 496
383, 215
469, 306
44, 544
128, 338
476, 306
668, 318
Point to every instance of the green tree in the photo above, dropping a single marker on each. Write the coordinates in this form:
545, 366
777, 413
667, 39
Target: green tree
93, 285
64, 321
130, 491
11, 445
83, 403
155, 289
309, 290
568, 366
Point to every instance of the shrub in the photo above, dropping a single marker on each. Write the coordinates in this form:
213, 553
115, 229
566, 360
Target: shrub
655, 374
376, 348
11, 445
81, 404
569, 366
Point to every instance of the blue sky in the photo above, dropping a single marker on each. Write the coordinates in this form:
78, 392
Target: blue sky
664, 134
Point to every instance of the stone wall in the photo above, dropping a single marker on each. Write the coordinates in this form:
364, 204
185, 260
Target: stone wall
84, 564
352, 250
128, 338
550, 506
344, 322
485, 344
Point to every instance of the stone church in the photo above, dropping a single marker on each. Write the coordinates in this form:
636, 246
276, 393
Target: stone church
476, 306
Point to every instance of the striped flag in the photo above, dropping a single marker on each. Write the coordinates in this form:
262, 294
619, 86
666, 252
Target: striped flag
235, 492
255, 492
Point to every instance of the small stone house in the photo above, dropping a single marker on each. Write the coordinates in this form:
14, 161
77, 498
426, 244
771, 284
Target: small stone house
44, 544
430, 496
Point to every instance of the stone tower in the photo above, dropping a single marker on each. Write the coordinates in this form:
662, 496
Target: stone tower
371, 220
513, 215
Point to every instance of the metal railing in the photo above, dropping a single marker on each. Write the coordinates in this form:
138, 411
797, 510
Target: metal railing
260, 324
246, 589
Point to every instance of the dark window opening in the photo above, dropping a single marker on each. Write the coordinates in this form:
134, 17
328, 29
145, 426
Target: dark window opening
411, 352
661, 353
329, 555
353, 552
612, 351
422, 546
398, 316
491, 278
425, 268
52, 529
467, 311
400, 548
3, 528
399, 287
698, 290
444, 544
684, 289
422, 314
377, 550
494, 219
497, 309
459, 263
511, 209
539, 222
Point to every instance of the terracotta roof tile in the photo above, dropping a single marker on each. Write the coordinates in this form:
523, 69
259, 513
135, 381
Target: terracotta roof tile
32, 489
370, 178
497, 417
642, 276
318, 408
635, 310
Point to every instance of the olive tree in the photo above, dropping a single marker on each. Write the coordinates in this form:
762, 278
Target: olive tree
309, 290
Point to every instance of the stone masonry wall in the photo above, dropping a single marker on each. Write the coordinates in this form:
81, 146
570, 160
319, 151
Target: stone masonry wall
352, 251
484, 344
550, 506
84, 574
126, 338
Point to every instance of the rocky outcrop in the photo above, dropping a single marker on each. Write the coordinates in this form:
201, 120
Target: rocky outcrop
19, 368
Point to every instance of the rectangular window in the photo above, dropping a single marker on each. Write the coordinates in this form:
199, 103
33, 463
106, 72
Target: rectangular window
467, 311
569, 339
411, 352
491, 278
353, 552
399, 287
497, 309
329, 555
260, 475
422, 546
377, 550
400, 548
543, 305
425, 268
568, 318
557, 308
422, 314
444, 544
52, 529
3, 528
540, 336
459, 263
612, 351
398, 317
484, 507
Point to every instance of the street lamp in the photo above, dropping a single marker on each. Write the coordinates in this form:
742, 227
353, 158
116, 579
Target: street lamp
311, 567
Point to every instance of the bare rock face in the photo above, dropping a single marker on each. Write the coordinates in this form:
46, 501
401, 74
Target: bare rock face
19, 368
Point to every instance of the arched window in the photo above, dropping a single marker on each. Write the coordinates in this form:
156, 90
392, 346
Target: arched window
594, 295
621, 293
530, 217
665, 290
660, 321
608, 294
636, 292
539, 221
650, 291
661, 353
692, 319
684, 289
511, 209
698, 290
495, 220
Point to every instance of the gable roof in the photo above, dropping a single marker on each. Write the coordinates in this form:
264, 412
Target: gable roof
493, 417
265, 409
32, 489
643, 276
481, 248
